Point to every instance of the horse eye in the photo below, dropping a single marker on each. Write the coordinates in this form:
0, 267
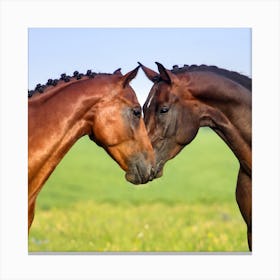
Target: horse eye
137, 112
164, 110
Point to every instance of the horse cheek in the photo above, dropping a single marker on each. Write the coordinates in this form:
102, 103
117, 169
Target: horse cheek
187, 128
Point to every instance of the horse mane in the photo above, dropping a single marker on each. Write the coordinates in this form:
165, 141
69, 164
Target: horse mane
51, 83
235, 76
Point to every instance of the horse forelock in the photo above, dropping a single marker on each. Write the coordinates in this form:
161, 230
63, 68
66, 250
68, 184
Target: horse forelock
233, 75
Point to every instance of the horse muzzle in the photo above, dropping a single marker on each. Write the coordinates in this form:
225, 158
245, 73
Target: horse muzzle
140, 171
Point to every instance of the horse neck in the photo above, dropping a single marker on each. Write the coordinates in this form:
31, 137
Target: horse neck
225, 106
56, 120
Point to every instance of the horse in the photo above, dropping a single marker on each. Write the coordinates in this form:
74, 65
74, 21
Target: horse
185, 98
100, 105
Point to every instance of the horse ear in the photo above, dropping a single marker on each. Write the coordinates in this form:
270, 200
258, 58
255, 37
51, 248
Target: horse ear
118, 72
164, 73
151, 75
126, 79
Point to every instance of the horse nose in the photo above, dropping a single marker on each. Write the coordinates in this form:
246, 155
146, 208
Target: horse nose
140, 172
146, 173
153, 172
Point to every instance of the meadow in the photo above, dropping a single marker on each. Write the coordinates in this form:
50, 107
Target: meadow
88, 206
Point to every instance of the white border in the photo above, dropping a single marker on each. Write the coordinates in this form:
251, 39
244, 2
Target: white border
262, 16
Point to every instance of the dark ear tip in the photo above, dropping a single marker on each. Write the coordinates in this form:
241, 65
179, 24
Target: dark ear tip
118, 71
136, 69
140, 64
163, 73
126, 79
159, 64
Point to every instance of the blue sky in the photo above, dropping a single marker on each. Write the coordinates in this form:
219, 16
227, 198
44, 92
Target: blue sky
52, 51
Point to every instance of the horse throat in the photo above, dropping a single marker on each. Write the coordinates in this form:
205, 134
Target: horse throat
231, 120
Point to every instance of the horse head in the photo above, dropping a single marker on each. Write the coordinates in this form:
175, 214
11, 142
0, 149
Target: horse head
171, 122
117, 125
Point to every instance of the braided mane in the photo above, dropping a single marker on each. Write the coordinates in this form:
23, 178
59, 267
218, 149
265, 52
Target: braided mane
235, 76
63, 77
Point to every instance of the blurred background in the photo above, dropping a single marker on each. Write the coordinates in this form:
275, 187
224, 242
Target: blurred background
87, 205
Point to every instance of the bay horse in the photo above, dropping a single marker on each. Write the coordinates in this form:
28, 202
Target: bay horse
184, 99
103, 106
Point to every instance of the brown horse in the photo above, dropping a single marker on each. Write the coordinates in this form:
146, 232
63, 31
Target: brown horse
184, 99
103, 106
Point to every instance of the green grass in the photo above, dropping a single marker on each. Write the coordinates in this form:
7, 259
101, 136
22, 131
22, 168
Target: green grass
86, 205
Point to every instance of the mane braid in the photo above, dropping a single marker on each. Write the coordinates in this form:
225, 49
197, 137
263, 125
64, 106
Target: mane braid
63, 77
236, 77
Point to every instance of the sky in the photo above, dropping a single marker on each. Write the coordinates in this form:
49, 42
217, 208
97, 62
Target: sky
52, 51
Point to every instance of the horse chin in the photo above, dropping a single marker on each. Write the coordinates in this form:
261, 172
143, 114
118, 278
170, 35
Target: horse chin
137, 179
132, 178
159, 174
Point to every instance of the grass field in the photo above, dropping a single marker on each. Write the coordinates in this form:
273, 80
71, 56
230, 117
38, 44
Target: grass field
87, 206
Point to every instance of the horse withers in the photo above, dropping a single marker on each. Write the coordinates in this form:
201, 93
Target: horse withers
184, 99
103, 106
